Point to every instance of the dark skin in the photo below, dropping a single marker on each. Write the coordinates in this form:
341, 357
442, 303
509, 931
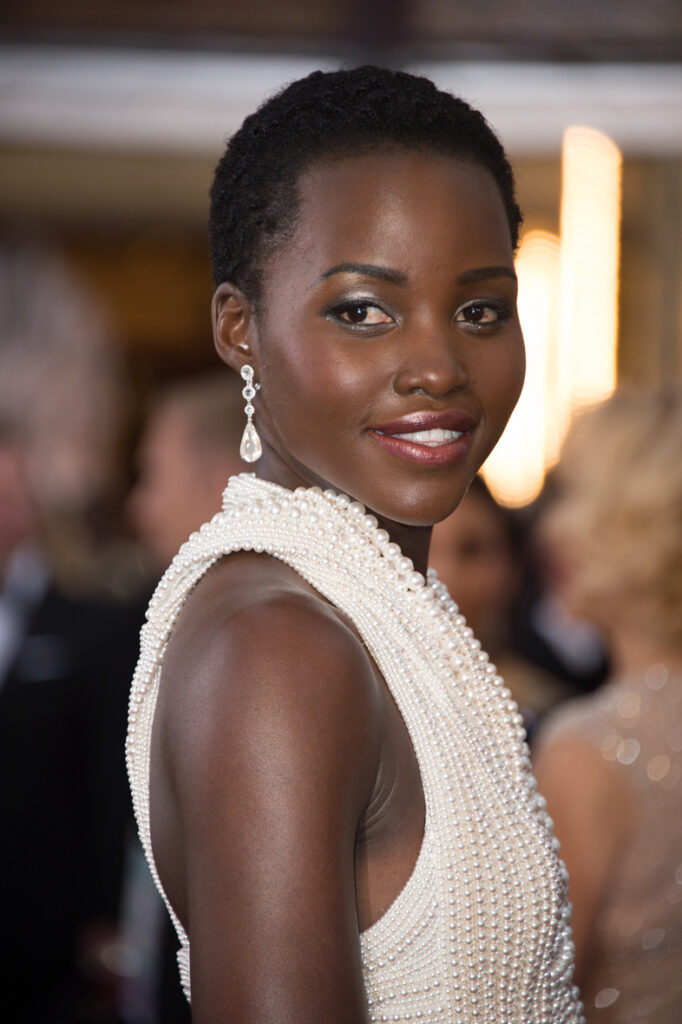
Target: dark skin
287, 807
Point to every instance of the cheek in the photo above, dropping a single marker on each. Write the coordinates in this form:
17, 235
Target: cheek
308, 386
499, 381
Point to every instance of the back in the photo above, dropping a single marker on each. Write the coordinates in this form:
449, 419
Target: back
635, 962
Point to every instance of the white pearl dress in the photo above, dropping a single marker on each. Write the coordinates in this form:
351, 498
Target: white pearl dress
480, 932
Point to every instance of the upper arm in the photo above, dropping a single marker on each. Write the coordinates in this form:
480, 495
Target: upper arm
272, 749
591, 811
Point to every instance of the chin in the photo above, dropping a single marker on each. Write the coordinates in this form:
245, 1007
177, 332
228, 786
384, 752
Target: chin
424, 507
400, 493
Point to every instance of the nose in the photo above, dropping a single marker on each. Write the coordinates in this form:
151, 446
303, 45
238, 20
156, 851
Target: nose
432, 363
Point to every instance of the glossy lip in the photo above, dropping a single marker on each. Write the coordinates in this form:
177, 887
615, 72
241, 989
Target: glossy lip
428, 455
449, 419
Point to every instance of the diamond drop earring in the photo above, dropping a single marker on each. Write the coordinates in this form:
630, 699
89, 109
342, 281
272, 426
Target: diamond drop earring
250, 448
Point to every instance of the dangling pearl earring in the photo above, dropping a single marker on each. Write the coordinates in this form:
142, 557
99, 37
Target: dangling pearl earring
250, 448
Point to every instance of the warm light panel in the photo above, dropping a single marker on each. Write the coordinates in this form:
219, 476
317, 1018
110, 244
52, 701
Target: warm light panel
516, 469
590, 223
568, 308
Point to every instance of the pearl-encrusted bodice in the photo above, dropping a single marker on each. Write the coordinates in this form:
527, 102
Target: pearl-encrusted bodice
480, 931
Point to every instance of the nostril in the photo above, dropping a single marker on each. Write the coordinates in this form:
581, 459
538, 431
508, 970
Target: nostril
431, 366
432, 384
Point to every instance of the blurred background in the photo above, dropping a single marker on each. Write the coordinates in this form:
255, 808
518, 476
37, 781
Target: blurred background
112, 117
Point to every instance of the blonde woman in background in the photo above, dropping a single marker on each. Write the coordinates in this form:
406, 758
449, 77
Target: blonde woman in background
610, 765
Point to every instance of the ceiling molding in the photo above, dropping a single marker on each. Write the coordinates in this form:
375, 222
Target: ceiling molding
190, 102
638, 105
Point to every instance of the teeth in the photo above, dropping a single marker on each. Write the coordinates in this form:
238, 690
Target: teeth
430, 437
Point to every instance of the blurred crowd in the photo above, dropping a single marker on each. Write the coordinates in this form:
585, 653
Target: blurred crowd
84, 537
577, 599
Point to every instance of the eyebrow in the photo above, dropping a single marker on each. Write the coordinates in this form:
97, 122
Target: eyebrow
367, 270
397, 276
485, 274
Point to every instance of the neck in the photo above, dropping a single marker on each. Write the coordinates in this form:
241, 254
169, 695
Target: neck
413, 541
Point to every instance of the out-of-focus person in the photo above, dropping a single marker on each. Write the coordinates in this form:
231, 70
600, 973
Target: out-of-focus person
61, 381
189, 448
546, 632
610, 765
478, 553
63, 799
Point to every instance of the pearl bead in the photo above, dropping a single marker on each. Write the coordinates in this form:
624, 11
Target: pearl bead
481, 930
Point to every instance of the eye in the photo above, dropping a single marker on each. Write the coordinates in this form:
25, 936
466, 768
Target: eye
360, 313
482, 313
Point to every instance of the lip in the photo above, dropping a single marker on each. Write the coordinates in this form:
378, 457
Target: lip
449, 419
427, 455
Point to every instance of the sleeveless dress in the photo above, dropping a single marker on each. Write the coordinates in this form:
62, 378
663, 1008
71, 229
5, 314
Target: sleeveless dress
481, 931
635, 968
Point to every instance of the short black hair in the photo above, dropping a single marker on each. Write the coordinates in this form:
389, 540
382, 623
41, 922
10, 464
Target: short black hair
254, 197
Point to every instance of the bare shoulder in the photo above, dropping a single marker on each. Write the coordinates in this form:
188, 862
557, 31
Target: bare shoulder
593, 815
265, 753
570, 768
587, 799
254, 639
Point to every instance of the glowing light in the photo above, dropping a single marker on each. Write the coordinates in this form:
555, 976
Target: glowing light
516, 469
590, 222
568, 307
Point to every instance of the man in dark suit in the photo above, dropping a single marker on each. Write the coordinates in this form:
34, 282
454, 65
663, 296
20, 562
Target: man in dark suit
65, 665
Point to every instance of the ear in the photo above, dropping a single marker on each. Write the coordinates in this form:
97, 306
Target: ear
233, 326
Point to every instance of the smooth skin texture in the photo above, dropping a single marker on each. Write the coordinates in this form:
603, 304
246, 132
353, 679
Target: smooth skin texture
286, 805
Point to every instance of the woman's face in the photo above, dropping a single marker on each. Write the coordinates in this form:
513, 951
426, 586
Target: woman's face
473, 556
387, 344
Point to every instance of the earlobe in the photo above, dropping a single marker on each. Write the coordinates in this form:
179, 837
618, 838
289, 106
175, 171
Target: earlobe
233, 325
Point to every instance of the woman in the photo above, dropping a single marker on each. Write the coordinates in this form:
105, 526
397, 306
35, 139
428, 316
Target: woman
478, 554
610, 765
342, 815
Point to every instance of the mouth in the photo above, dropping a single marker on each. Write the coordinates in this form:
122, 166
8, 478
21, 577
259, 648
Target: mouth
434, 439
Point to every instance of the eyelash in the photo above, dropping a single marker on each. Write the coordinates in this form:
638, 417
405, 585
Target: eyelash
501, 310
336, 313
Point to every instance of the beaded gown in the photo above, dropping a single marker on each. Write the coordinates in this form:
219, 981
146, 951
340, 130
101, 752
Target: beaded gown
481, 930
634, 974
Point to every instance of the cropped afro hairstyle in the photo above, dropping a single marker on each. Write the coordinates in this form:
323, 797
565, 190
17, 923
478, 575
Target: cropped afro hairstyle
254, 197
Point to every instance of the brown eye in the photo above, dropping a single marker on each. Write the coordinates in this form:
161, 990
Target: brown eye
477, 314
357, 315
361, 314
482, 313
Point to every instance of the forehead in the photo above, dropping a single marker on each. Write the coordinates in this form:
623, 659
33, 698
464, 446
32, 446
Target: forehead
398, 207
